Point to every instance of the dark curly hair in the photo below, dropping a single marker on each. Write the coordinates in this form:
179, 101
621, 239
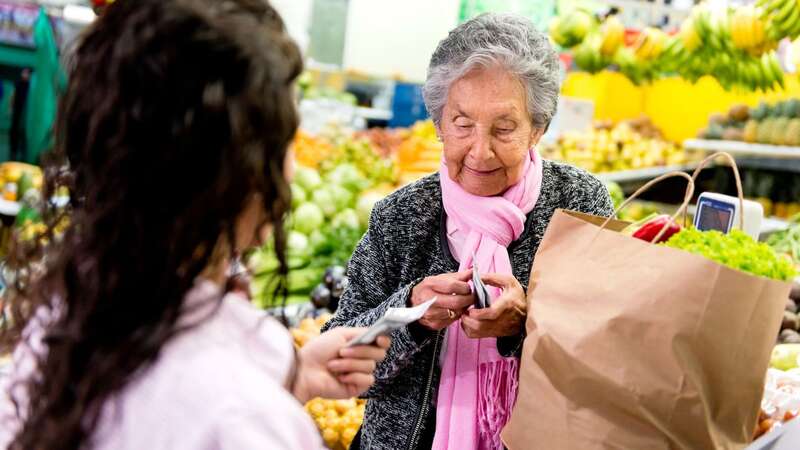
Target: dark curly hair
177, 113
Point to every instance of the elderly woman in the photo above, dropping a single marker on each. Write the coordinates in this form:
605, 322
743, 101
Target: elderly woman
449, 380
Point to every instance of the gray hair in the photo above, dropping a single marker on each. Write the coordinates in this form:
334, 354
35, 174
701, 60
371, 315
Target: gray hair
509, 40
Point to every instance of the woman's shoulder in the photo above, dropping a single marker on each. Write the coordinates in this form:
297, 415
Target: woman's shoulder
234, 336
420, 193
570, 187
207, 405
231, 368
565, 176
416, 203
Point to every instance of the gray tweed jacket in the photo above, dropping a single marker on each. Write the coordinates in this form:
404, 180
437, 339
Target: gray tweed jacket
405, 242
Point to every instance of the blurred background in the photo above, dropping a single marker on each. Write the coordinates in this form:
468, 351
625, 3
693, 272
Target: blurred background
648, 87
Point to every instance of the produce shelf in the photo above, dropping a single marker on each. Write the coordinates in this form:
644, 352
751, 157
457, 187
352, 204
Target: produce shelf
374, 113
644, 174
772, 224
737, 148
783, 164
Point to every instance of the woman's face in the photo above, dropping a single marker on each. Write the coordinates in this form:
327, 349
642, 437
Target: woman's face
487, 132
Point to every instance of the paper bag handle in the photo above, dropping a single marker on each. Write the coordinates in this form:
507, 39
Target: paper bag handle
736, 175
686, 199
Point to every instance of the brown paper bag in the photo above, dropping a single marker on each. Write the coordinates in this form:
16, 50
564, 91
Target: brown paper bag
637, 346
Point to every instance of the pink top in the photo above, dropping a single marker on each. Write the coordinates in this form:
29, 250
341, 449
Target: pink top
219, 385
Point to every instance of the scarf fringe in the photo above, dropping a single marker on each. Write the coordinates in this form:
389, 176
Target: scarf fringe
499, 381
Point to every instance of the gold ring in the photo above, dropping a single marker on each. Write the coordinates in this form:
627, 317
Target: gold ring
451, 314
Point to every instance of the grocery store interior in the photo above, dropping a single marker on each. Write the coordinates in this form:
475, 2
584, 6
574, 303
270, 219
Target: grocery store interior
650, 94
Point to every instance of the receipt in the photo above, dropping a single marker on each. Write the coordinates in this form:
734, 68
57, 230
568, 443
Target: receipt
394, 319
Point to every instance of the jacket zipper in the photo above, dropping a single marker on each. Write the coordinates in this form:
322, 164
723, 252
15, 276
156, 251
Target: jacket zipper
423, 411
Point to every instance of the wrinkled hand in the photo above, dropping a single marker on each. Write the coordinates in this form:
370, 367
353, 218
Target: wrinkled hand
330, 369
505, 316
454, 297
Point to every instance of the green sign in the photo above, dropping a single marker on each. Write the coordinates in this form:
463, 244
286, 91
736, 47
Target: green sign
539, 11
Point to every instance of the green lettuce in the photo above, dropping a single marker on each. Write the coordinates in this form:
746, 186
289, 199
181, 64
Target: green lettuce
736, 250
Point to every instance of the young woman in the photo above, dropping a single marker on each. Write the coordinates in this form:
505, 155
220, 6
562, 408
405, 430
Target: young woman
173, 136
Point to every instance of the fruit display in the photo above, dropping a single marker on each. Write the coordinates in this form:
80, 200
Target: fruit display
613, 33
650, 44
330, 212
338, 180
340, 176
17, 178
621, 147
420, 154
776, 124
706, 46
570, 29
308, 329
777, 191
310, 151
386, 141
787, 241
737, 46
790, 328
749, 31
336, 147
359, 153
338, 420
327, 293
783, 17
781, 401
309, 90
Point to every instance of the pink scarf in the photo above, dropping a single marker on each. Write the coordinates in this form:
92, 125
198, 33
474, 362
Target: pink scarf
478, 387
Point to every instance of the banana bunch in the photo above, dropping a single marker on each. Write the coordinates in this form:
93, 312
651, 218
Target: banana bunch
613, 36
650, 44
628, 66
760, 73
588, 55
712, 29
749, 31
783, 17
741, 71
688, 35
570, 30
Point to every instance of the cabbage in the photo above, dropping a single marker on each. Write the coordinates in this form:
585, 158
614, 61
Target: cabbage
308, 179
364, 206
297, 243
346, 219
307, 218
298, 195
317, 239
324, 198
342, 198
348, 176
